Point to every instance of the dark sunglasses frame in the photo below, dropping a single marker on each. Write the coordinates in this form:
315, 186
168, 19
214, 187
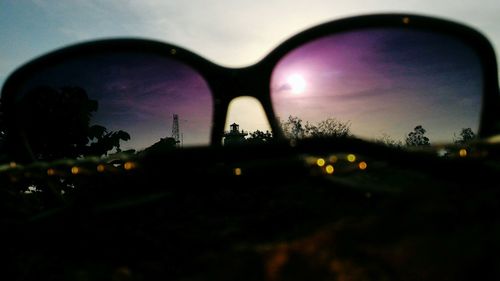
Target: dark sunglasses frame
229, 83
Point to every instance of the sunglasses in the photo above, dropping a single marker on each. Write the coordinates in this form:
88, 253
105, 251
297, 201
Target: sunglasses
401, 78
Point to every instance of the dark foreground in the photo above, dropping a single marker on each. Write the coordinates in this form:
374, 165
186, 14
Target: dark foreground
267, 214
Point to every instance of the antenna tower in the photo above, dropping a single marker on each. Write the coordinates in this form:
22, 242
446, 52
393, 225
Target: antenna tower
175, 129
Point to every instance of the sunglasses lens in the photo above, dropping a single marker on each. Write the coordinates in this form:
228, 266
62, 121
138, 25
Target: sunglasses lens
380, 84
102, 103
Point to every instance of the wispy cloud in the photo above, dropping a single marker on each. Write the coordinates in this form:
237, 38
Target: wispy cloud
233, 33
238, 32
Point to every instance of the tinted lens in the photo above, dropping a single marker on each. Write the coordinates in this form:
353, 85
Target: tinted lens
100, 104
381, 84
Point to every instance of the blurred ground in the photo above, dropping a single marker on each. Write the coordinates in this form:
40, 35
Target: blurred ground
285, 219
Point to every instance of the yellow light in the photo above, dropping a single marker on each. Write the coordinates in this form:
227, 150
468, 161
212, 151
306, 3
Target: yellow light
237, 172
362, 165
351, 158
329, 169
463, 152
173, 51
320, 162
100, 168
13, 164
75, 170
128, 166
51, 172
406, 20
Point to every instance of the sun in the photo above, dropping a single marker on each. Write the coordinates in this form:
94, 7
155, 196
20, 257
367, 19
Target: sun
297, 83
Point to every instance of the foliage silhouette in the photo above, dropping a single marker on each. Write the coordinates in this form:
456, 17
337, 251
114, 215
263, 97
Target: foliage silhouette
466, 135
329, 127
56, 123
258, 137
388, 141
417, 137
104, 141
294, 129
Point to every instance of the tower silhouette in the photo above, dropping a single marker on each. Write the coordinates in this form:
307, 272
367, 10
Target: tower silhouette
234, 136
175, 130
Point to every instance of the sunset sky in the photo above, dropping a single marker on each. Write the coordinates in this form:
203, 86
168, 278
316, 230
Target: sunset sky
383, 82
136, 93
239, 33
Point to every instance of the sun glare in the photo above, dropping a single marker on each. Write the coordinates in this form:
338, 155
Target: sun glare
297, 83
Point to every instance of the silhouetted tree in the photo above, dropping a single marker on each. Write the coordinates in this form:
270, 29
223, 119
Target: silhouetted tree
330, 127
56, 123
260, 137
387, 140
417, 137
466, 135
292, 128
103, 141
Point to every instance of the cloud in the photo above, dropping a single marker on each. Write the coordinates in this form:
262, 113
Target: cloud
233, 33
284, 88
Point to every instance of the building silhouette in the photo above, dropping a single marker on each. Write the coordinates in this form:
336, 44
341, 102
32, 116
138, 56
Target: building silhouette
234, 136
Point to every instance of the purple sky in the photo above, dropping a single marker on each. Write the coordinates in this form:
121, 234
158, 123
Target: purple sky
383, 82
139, 94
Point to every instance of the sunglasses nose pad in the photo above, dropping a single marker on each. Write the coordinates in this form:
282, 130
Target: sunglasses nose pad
246, 122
